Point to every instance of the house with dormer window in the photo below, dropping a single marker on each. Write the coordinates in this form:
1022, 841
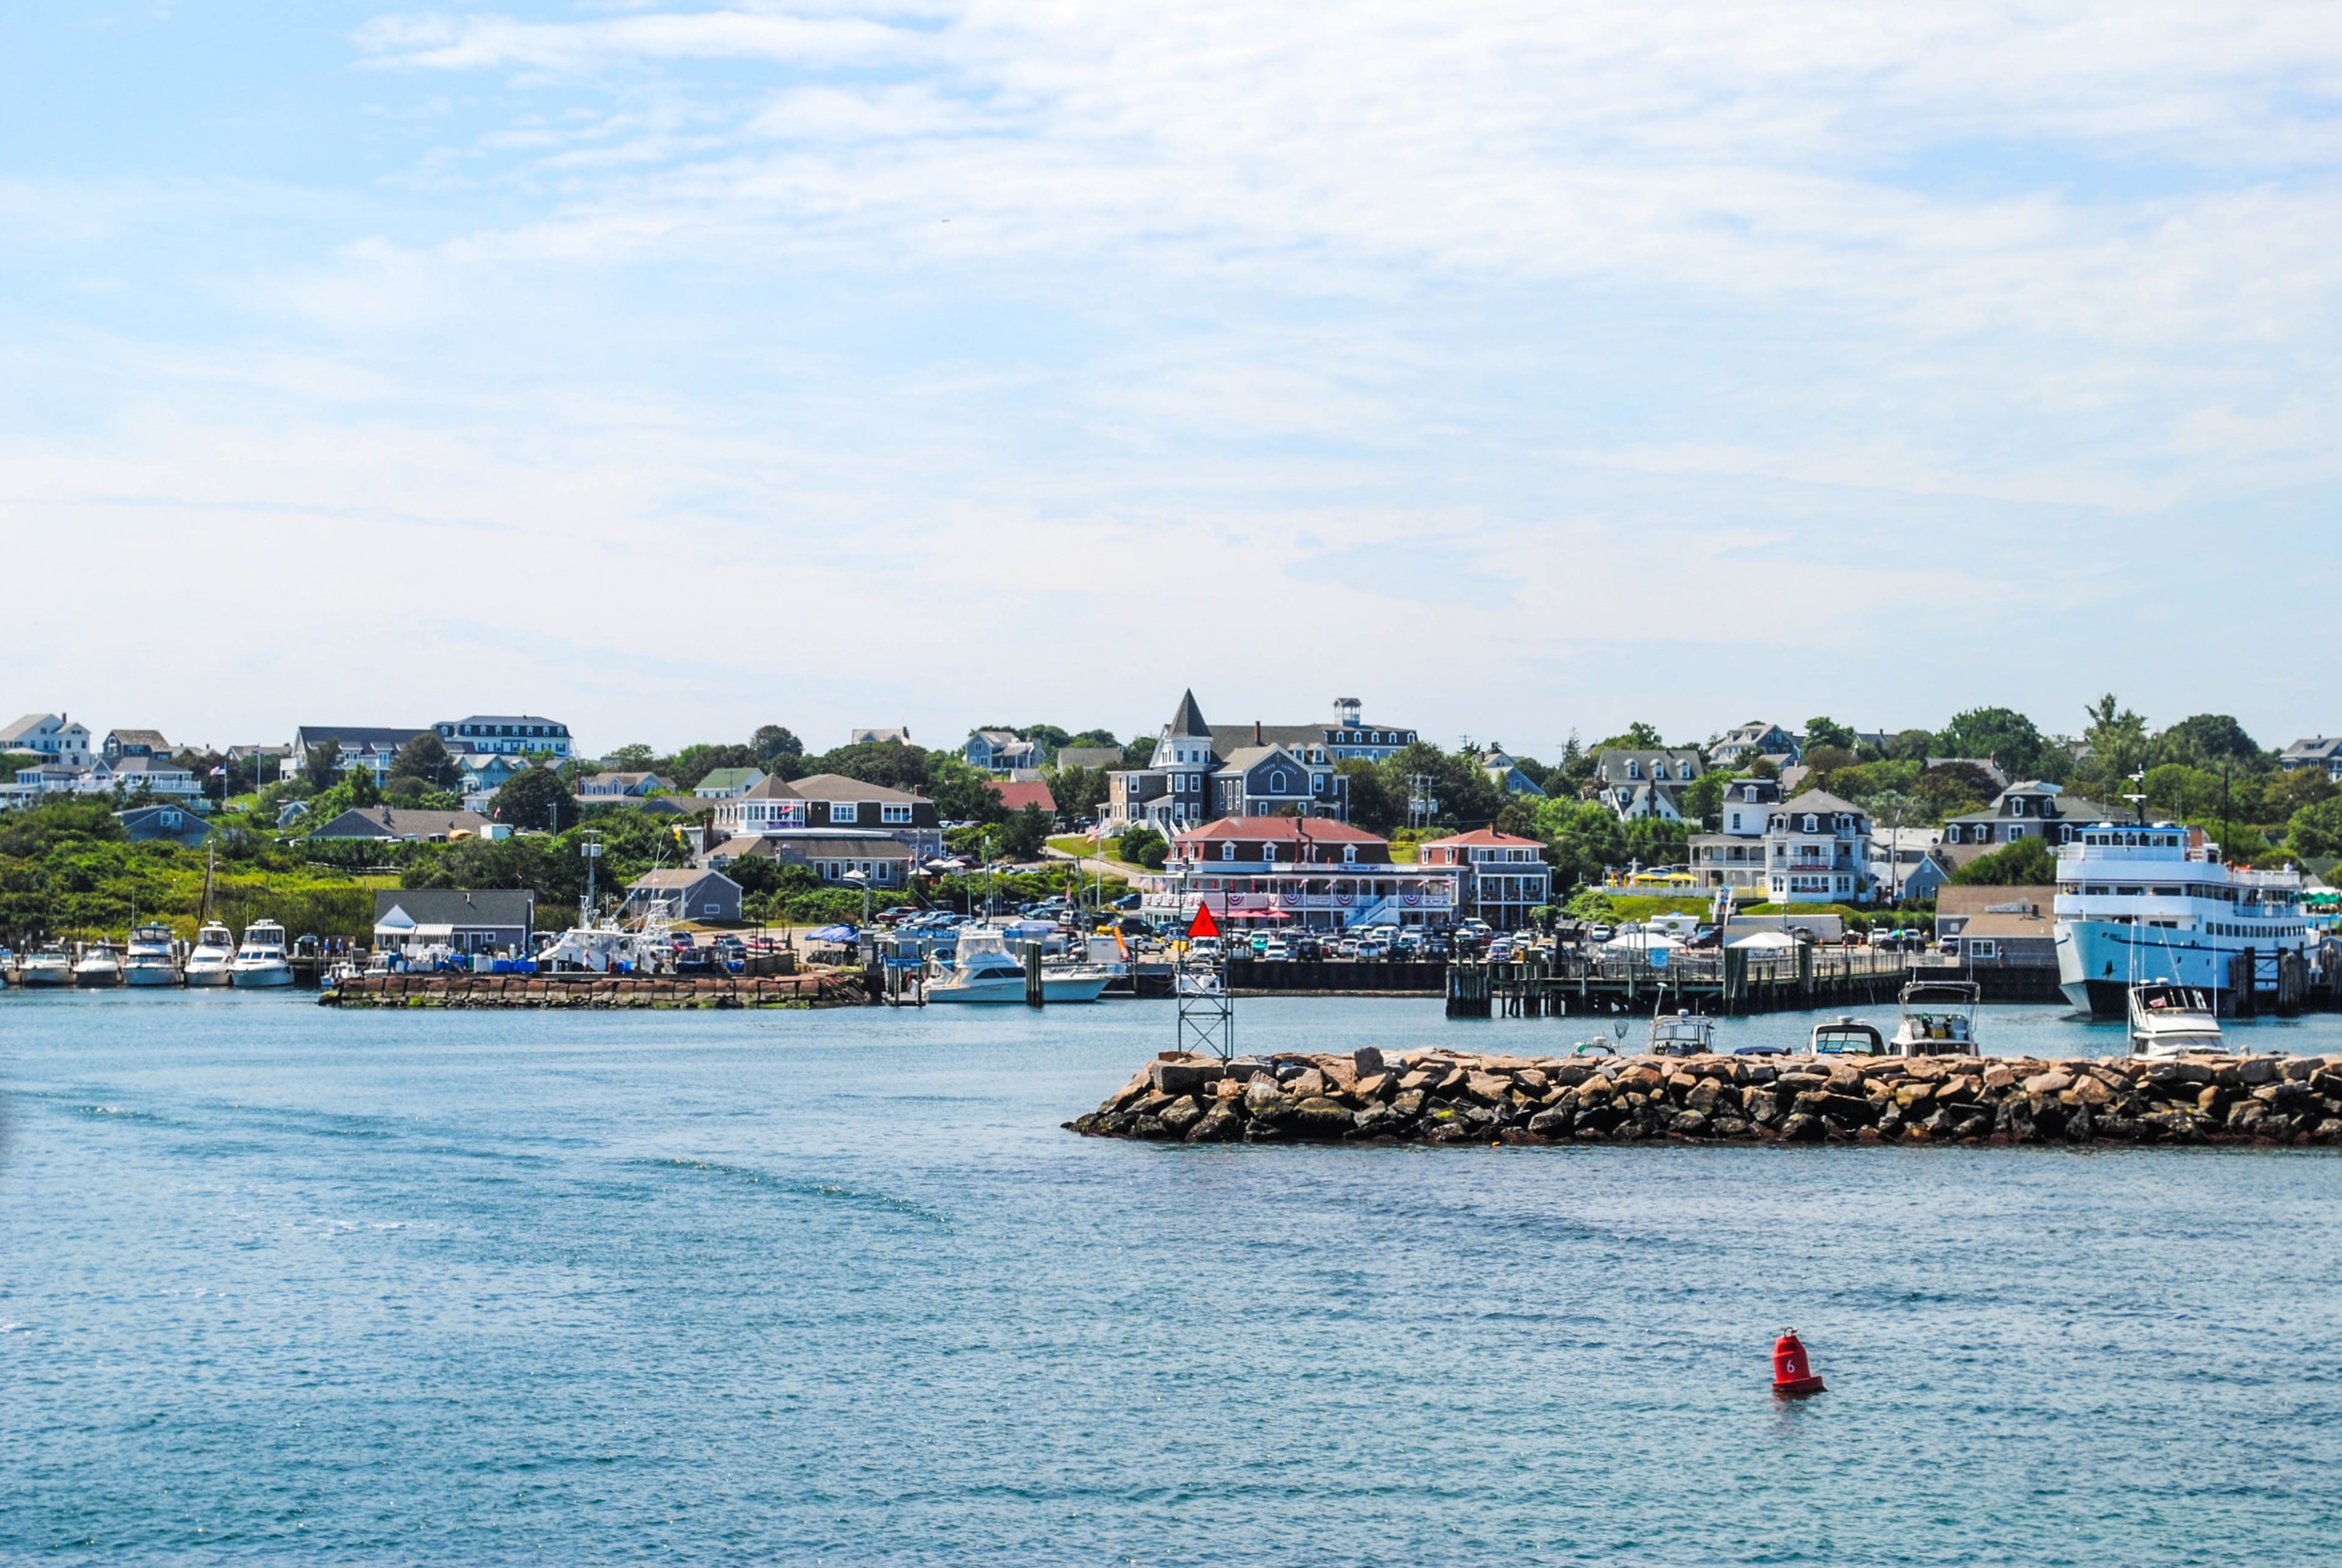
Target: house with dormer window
1739, 747
509, 733
1200, 772
1504, 877
1305, 871
2029, 808
1818, 851
1637, 784
1735, 856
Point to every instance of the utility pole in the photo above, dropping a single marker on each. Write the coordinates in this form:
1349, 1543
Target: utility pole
590, 849
1422, 805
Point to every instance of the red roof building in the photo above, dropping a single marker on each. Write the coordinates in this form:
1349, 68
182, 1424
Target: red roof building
1504, 876
1015, 794
1306, 872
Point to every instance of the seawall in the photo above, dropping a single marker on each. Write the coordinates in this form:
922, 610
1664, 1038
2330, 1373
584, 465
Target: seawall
815, 988
1455, 1098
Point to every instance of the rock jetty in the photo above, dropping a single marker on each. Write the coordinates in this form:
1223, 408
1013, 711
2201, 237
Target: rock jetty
1449, 1097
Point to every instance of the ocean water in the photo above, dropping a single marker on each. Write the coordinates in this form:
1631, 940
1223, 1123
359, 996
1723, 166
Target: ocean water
283, 1284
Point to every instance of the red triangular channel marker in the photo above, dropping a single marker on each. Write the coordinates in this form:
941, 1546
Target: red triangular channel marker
1203, 924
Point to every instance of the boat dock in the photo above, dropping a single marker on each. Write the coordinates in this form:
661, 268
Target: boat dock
1720, 984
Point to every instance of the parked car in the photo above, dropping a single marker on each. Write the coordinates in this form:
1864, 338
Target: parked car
1276, 951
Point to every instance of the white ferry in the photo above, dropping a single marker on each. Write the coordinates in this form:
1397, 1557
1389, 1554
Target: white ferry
2154, 903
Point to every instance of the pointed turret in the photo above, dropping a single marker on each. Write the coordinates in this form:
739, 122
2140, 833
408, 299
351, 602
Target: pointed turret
1188, 723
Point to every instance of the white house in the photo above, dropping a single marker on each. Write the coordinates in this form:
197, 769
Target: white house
1741, 745
512, 733
2315, 751
725, 783
1818, 851
1734, 857
51, 737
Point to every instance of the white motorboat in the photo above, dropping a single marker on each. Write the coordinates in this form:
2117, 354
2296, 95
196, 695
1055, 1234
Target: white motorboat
260, 959
1682, 1032
98, 966
2173, 1020
1939, 1018
49, 966
213, 956
152, 957
983, 970
1845, 1037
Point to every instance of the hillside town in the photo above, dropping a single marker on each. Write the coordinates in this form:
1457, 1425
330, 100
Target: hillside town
1351, 821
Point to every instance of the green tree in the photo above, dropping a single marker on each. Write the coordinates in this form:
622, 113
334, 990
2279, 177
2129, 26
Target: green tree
534, 798
323, 758
771, 741
1637, 736
1910, 745
1143, 846
2027, 863
2001, 735
695, 762
1140, 753
1022, 834
2293, 788
2316, 831
1703, 803
2117, 739
426, 758
1829, 732
2206, 741
1078, 791
1373, 804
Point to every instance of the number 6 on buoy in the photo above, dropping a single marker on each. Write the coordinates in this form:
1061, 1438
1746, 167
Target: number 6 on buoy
1793, 1376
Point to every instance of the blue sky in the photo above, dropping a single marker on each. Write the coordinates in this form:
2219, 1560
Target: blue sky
676, 369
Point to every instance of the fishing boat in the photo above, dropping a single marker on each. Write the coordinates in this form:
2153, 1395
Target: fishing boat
99, 966
260, 959
152, 958
212, 957
1939, 1018
2173, 1020
1845, 1037
983, 970
49, 966
1682, 1032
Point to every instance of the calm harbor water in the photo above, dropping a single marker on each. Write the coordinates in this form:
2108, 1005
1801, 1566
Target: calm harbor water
281, 1282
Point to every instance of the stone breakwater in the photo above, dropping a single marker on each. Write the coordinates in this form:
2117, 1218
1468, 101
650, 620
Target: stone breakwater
1448, 1097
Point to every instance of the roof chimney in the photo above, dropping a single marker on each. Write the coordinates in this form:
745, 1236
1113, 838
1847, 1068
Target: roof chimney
1256, 732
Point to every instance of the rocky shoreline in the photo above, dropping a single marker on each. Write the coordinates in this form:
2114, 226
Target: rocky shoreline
1452, 1097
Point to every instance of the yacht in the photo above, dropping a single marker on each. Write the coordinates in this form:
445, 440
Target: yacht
260, 959
152, 958
1681, 1034
98, 966
213, 955
49, 966
2154, 903
1845, 1037
983, 970
1939, 1018
2173, 1020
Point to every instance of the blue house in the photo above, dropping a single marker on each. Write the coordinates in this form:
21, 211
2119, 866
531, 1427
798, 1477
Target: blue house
179, 824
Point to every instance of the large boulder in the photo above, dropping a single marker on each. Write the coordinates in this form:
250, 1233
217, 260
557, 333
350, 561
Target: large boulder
1320, 1117
1185, 1075
1221, 1125
1180, 1114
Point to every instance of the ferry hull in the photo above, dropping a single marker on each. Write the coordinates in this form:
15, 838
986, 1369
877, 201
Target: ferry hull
2096, 958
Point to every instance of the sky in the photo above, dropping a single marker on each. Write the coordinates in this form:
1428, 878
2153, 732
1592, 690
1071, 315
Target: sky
1516, 368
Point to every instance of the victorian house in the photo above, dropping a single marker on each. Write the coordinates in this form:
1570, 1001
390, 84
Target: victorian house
1818, 851
1298, 872
1200, 772
1735, 856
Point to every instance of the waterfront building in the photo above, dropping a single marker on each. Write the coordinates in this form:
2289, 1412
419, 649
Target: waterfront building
465, 920
51, 737
695, 893
1501, 877
510, 733
828, 800
1309, 872
884, 861
1818, 851
1200, 772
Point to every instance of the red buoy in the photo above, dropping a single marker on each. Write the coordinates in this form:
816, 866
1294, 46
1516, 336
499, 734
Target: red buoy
1792, 1371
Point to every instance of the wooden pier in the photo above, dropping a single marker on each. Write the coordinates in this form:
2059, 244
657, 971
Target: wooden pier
1720, 984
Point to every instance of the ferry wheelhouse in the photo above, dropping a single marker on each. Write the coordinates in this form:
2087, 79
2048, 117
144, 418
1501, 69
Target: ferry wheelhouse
2154, 903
